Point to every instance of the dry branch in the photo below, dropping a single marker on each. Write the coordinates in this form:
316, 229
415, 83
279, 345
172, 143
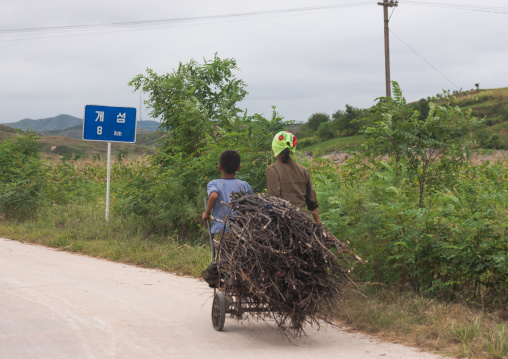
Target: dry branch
279, 263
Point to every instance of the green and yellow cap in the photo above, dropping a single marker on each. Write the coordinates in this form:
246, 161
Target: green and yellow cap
283, 140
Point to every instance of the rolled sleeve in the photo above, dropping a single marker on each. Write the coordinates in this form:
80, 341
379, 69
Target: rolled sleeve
311, 197
211, 187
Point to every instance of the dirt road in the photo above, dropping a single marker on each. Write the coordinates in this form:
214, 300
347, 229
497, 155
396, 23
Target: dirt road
55, 304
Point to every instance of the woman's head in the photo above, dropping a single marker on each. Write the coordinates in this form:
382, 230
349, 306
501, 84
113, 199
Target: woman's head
285, 156
284, 141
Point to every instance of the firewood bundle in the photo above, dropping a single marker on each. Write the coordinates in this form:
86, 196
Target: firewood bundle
278, 263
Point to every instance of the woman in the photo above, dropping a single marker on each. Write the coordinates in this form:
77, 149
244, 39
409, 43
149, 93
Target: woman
289, 180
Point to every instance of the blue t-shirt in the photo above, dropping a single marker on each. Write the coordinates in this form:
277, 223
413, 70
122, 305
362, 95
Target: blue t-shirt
224, 187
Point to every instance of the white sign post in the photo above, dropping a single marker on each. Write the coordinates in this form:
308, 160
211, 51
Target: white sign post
109, 124
108, 183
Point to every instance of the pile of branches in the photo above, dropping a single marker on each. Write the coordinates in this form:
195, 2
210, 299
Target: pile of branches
277, 263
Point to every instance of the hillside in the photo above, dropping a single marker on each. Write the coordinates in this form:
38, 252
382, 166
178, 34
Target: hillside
62, 135
6, 132
148, 125
64, 122
490, 104
77, 148
493, 105
67, 147
77, 132
59, 122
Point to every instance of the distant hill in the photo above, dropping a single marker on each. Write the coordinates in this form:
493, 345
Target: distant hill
59, 122
488, 104
75, 132
68, 142
148, 125
63, 122
493, 105
6, 132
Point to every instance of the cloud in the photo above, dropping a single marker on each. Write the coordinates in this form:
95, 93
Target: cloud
303, 63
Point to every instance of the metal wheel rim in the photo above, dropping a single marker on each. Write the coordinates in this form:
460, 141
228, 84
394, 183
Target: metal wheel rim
218, 311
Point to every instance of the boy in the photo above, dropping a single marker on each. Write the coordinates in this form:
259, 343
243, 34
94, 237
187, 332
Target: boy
219, 190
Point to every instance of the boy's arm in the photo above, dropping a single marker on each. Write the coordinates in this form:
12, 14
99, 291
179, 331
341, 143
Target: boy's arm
315, 215
211, 202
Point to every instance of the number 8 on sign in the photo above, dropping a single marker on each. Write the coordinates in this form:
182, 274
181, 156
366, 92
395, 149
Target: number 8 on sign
99, 130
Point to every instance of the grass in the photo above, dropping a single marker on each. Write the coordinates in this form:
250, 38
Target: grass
340, 144
405, 317
6, 132
69, 147
390, 314
82, 228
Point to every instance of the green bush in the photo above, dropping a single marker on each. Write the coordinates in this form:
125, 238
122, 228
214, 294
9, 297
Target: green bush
454, 248
306, 142
504, 113
326, 131
170, 197
67, 182
22, 176
303, 131
422, 215
202, 120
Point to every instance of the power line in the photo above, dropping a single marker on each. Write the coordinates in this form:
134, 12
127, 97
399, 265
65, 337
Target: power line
174, 21
87, 29
480, 8
424, 59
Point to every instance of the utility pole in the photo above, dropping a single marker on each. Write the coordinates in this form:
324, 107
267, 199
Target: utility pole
386, 4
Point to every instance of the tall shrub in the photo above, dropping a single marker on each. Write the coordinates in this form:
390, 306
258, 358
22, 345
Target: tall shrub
193, 101
418, 210
198, 107
21, 175
431, 149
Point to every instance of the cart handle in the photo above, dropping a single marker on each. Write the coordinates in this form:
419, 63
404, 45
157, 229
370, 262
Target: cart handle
212, 245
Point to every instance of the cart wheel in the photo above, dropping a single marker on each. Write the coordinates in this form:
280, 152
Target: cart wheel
218, 311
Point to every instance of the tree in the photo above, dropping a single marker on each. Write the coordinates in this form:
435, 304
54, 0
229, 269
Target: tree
316, 119
428, 148
197, 105
22, 175
193, 101
326, 131
423, 106
303, 131
350, 121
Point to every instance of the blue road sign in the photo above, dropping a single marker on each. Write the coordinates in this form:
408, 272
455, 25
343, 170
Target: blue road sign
110, 124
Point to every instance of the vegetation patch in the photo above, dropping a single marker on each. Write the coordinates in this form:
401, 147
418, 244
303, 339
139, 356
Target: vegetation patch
412, 201
405, 317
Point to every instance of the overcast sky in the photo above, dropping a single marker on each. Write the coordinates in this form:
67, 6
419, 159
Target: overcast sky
301, 61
